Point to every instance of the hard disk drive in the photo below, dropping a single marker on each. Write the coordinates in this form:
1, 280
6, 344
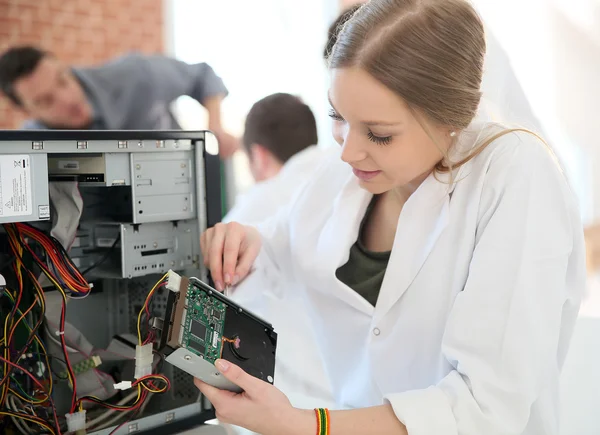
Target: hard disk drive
202, 325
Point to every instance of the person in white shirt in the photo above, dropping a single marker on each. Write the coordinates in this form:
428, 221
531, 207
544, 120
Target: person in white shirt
280, 139
442, 259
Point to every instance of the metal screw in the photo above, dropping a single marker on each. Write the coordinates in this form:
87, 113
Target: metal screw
183, 165
270, 378
187, 358
172, 263
140, 144
155, 245
138, 167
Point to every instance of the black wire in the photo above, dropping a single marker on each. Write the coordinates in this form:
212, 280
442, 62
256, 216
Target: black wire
104, 258
7, 263
133, 415
30, 339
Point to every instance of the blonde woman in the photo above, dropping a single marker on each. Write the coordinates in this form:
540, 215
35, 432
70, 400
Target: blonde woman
441, 260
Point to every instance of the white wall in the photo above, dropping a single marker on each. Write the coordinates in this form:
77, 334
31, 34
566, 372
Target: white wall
554, 47
258, 47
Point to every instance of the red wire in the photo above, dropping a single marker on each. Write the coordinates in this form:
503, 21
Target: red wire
24, 371
12, 331
66, 354
75, 283
51, 251
147, 310
9, 339
39, 385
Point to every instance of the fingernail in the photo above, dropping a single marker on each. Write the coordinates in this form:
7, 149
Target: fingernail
236, 279
222, 365
219, 285
227, 279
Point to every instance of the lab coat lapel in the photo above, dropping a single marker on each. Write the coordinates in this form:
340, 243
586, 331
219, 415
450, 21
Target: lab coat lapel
421, 222
338, 236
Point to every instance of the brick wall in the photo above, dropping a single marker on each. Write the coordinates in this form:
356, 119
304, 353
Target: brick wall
81, 32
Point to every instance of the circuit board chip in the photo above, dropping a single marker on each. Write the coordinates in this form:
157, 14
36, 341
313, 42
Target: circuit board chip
198, 329
199, 348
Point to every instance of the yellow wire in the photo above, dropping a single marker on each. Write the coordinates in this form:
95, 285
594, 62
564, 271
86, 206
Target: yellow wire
26, 417
154, 391
116, 407
139, 321
19, 249
24, 399
62, 292
44, 352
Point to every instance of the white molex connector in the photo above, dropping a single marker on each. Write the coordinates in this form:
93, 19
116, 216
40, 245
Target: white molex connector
173, 281
123, 385
76, 422
143, 360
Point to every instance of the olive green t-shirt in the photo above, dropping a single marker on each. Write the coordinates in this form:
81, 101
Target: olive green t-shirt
365, 269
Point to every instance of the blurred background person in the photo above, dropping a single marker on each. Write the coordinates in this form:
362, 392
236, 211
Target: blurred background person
280, 139
133, 92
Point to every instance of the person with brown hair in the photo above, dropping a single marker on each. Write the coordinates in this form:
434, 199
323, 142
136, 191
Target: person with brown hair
132, 92
441, 258
280, 139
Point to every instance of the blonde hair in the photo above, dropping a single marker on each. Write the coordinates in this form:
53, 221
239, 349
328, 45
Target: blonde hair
429, 52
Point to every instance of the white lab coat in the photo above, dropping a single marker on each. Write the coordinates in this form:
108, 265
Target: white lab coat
478, 302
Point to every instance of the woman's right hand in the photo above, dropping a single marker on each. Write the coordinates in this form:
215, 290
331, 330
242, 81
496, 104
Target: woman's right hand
229, 251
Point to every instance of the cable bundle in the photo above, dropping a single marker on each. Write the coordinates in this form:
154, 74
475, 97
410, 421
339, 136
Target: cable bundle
12, 366
59, 267
146, 384
28, 244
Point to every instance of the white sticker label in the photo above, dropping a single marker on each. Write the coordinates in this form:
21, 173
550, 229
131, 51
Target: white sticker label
43, 212
15, 186
68, 165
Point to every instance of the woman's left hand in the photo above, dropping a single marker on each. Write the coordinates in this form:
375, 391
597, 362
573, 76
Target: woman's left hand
261, 407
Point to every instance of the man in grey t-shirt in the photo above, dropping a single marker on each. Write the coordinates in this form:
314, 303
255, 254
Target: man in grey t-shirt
133, 92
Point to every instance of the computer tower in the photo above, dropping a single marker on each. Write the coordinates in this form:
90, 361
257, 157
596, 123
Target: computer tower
127, 206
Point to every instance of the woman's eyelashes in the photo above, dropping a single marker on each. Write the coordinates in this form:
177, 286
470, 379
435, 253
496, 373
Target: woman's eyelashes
335, 116
380, 140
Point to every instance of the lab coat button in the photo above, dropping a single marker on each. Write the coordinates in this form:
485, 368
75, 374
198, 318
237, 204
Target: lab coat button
376, 331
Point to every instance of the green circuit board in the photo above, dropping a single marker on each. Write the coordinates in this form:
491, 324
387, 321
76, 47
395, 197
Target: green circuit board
203, 327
